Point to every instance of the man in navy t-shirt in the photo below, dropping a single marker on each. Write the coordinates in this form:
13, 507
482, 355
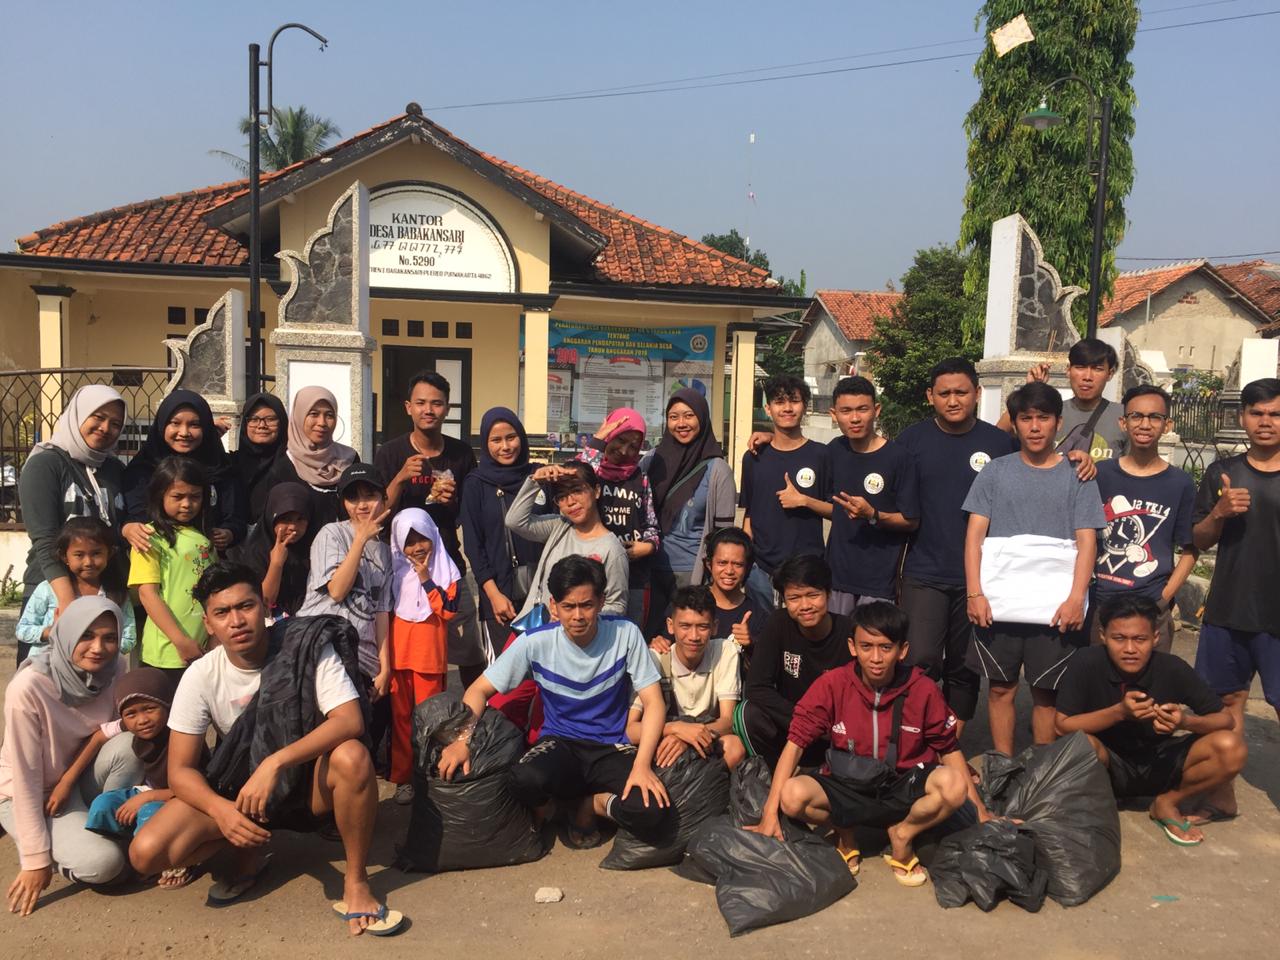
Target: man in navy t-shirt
1149, 506
786, 488
588, 669
873, 482
950, 449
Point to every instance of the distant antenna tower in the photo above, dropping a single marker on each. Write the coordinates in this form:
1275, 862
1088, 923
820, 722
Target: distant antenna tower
751, 193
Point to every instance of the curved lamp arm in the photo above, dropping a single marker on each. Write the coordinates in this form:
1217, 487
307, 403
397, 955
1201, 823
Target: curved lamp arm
267, 63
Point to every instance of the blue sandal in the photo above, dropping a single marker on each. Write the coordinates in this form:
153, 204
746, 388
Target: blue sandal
387, 922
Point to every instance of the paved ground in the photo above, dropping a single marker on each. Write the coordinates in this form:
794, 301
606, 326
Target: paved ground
1226, 894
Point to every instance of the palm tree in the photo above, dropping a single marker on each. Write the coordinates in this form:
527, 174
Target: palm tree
294, 134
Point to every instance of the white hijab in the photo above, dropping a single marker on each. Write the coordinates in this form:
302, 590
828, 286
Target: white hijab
66, 434
411, 600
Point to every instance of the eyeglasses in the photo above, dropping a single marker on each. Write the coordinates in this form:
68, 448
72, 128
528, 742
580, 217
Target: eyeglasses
262, 421
1156, 419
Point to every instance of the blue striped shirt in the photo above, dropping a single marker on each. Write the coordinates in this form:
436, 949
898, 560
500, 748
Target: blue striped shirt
586, 691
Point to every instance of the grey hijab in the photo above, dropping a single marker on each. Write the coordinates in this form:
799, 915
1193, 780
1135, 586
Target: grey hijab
75, 687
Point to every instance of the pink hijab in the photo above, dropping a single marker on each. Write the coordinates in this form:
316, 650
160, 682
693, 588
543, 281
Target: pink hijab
629, 420
319, 466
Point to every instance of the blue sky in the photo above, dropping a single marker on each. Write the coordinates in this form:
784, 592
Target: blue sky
109, 103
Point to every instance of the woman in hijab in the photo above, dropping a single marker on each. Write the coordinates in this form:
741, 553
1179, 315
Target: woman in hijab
74, 473
425, 585
312, 457
263, 428
502, 564
56, 700
278, 548
694, 493
184, 427
626, 499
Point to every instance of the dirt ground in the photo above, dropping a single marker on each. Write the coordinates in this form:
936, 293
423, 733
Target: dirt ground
1217, 900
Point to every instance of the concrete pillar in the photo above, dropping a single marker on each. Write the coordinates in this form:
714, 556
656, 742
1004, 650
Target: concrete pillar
54, 318
537, 341
741, 406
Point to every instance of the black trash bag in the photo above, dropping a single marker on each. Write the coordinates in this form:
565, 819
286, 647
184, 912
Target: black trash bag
762, 881
1063, 794
749, 786
987, 863
471, 821
698, 790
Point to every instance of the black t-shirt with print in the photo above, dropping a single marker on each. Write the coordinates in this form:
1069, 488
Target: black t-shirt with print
622, 512
1147, 517
864, 556
1243, 594
457, 457
779, 533
946, 465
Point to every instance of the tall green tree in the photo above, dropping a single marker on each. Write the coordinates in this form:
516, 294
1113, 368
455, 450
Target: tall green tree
926, 325
294, 134
773, 356
1044, 176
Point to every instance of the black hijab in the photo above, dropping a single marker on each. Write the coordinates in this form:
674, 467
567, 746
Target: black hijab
671, 475
255, 552
210, 454
253, 460
508, 478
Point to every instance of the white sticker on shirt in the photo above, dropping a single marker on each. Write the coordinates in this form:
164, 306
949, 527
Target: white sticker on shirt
979, 460
805, 477
873, 483
541, 498
791, 663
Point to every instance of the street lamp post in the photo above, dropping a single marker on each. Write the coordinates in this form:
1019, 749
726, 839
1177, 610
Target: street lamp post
253, 368
1042, 118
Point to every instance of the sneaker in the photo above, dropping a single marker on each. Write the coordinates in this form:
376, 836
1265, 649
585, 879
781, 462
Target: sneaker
404, 794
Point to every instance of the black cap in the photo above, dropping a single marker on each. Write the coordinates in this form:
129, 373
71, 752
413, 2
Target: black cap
360, 473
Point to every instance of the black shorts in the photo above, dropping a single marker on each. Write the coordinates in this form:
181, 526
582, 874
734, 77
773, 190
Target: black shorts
1040, 653
858, 805
1152, 771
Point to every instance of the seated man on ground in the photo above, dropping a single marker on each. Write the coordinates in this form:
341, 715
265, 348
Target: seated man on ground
216, 690
700, 684
799, 643
587, 669
1128, 697
894, 761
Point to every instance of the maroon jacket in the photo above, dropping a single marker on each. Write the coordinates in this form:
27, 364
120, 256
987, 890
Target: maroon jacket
840, 707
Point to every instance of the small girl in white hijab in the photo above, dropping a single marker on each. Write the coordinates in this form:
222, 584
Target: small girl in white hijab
425, 594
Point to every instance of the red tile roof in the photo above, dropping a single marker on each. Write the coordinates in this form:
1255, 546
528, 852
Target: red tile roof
1133, 288
1259, 281
171, 230
855, 311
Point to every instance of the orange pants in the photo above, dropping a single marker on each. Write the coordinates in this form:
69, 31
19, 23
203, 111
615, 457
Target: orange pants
408, 689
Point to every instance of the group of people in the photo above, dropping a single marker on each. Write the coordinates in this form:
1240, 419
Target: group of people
620, 616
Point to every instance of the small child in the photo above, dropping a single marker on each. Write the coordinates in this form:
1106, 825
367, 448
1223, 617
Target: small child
351, 575
86, 547
425, 589
164, 574
143, 698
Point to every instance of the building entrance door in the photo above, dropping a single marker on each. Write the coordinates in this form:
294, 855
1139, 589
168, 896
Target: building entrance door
400, 364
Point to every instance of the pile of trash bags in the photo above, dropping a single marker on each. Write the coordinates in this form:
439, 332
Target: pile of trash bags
698, 789
471, 821
1066, 847
759, 880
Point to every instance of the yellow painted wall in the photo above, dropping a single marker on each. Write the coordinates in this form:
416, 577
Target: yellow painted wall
19, 329
420, 161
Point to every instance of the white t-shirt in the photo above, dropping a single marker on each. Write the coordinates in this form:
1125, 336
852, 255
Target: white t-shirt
214, 690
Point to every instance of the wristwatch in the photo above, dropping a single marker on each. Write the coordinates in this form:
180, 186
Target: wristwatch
874, 518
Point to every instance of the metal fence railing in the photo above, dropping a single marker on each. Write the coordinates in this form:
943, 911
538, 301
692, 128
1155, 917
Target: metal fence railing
32, 400
1197, 417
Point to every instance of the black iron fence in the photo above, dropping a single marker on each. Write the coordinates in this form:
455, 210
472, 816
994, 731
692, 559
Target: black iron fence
32, 400
1196, 417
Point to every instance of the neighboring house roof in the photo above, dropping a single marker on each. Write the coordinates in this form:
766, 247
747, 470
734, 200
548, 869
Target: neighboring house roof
1256, 283
854, 311
176, 229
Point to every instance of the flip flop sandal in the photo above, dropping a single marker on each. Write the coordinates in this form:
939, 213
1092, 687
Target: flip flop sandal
226, 892
910, 878
576, 839
1211, 814
179, 877
852, 859
1183, 825
386, 922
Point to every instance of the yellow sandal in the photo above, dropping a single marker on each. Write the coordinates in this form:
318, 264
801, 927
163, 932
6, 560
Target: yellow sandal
909, 878
852, 859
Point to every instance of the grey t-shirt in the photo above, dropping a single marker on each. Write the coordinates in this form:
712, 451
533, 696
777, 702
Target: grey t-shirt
369, 595
1021, 499
1107, 442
